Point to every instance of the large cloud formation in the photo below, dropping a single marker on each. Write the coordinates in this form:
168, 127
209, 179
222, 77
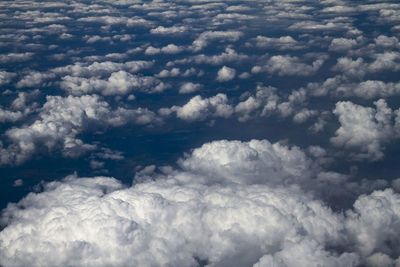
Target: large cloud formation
192, 216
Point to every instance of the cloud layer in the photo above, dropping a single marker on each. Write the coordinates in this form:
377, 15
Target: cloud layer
187, 216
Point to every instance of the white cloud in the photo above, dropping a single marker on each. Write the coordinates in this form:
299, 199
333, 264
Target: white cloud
352, 68
34, 79
303, 115
118, 83
386, 61
61, 120
110, 20
10, 116
168, 30
189, 87
226, 74
102, 68
264, 102
16, 57
6, 77
281, 43
316, 26
288, 65
229, 55
229, 204
199, 108
203, 40
364, 128
152, 50
171, 49
387, 42
169, 73
342, 44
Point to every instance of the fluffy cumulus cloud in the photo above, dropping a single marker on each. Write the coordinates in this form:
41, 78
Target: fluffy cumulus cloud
187, 217
281, 43
59, 123
199, 108
189, 87
6, 77
206, 37
365, 129
288, 65
118, 83
226, 74
150, 79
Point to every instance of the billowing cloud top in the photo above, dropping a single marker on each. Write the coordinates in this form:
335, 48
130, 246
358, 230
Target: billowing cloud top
238, 133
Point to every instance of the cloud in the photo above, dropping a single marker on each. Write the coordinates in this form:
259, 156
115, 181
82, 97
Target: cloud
281, 43
118, 83
203, 40
16, 57
365, 129
229, 55
189, 87
10, 116
6, 77
87, 70
351, 68
61, 120
135, 21
199, 108
172, 49
34, 79
289, 65
168, 30
226, 74
225, 205
262, 103
342, 44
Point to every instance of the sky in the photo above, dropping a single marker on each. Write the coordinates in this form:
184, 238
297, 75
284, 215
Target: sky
200, 133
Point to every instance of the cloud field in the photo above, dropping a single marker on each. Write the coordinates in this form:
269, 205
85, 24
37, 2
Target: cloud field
199, 133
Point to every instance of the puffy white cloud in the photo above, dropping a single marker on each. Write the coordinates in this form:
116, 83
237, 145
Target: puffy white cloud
98, 222
352, 68
6, 77
172, 49
199, 108
61, 120
262, 103
34, 79
317, 26
225, 206
229, 55
152, 51
203, 40
168, 30
118, 83
288, 65
374, 225
111, 20
385, 61
169, 73
281, 43
15, 57
102, 68
364, 128
342, 44
387, 42
8, 115
189, 87
226, 74
303, 115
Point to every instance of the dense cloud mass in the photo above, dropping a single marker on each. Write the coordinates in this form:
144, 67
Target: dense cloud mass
199, 133
189, 215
